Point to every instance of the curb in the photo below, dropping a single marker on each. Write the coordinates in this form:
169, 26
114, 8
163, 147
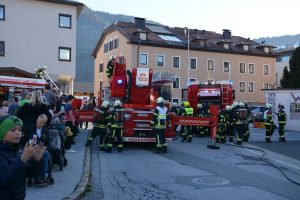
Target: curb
79, 190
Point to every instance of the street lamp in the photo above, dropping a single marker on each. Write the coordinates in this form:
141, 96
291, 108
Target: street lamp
187, 32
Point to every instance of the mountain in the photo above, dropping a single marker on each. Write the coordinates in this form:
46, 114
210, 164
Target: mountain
281, 41
91, 23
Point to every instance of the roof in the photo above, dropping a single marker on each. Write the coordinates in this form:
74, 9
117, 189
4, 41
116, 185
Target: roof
14, 69
66, 2
176, 37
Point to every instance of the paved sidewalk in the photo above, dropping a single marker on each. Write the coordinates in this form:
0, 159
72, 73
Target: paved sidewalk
71, 182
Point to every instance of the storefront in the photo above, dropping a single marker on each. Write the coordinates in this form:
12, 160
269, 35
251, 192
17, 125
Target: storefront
14, 86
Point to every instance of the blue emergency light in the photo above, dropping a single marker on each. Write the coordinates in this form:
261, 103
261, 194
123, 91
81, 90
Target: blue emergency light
119, 82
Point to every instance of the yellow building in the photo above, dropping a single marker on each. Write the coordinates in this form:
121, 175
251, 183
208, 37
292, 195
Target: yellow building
209, 55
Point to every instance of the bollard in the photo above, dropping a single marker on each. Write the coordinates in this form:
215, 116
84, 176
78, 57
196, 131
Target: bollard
213, 134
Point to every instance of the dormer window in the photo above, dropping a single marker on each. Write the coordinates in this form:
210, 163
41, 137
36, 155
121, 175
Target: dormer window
267, 49
226, 45
202, 43
199, 41
142, 34
246, 47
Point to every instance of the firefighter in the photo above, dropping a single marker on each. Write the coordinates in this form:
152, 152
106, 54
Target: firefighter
159, 123
115, 124
281, 122
269, 124
240, 122
222, 123
247, 132
174, 108
229, 127
201, 113
100, 125
187, 111
110, 67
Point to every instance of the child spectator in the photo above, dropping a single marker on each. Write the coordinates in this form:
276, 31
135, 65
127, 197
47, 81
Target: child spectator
13, 165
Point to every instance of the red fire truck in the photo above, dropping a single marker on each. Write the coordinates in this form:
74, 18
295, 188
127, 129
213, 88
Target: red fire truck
220, 93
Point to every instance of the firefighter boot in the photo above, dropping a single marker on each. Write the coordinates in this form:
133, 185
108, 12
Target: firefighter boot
189, 139
101, 148
108, 150
158, 150
282, 139
268, 140
183, 138
245, 139
230, 139
165, 149
120, 149
89, 142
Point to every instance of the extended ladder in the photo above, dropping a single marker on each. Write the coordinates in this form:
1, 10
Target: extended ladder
40, 72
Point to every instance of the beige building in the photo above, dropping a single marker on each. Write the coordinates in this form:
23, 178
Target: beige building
40, 33
209, 55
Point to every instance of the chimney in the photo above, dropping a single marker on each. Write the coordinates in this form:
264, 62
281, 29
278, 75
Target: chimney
139, 22
226, 34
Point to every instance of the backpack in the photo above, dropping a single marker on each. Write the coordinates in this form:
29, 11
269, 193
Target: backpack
55, 140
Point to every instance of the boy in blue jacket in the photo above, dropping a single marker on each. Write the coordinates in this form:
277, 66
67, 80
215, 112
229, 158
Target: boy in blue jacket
13, 164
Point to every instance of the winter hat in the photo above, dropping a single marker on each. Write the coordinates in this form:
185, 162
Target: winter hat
6, 123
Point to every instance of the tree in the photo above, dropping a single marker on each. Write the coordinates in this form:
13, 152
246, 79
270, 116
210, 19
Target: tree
290, 79
284, 81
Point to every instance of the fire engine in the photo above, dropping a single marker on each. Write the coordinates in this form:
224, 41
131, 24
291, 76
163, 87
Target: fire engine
136, 89
220, 93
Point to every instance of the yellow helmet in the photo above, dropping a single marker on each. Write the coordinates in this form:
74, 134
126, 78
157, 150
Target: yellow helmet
186, 104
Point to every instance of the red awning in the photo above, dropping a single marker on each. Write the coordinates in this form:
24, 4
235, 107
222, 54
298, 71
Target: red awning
11, 81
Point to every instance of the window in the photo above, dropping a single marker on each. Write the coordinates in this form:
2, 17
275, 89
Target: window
105, 47
144, 59
111, 45
176, 62
166, 92
193, 63
283, 59
65, 21
175, 100
2, 48
242, 86
192, 80
210, 65
251, 68
64, 54
266, 86
176, 83
251, 87
266, 69
160, 60
2, 12
101, 85
226, 66
116, 43
101, 67
242, 68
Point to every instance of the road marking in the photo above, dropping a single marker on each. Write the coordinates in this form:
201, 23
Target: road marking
279, 161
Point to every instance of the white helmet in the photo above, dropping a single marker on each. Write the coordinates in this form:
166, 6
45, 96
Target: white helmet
268, 105
235, 103
174, 104
118, 103
199, 105
159, 100
105, 104
228, 107
242, 104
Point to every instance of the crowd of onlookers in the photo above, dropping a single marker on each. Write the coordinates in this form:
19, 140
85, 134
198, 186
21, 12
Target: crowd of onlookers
27, 132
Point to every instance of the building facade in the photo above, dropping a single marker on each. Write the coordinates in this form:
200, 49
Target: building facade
37, 33
193, 55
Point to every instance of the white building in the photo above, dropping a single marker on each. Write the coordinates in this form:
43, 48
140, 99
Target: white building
40, 32
291, 101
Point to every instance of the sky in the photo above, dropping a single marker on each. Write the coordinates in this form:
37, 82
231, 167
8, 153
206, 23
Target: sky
245, 18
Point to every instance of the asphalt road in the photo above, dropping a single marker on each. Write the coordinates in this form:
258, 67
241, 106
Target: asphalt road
192, 171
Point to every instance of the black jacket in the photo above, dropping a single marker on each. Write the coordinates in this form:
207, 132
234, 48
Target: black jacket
13, 173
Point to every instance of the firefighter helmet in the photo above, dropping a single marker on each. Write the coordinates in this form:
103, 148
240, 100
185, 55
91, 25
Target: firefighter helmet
118, 103
174, 104
105, 104
235, 103
241, 104
228, 107
280, 106
159, 100
199, 105
186, 104
268, 106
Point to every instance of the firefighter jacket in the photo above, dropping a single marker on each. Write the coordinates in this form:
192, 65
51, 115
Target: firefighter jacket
281, 117
101, 117
110, 68
188, 111
268, 118
174, 109
117, 117
201, 112
240, 116
160, 117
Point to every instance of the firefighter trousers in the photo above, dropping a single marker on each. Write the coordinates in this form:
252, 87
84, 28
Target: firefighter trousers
161, 143
115, 133
102, 136
270, 128
187, 134
281, 131
240, 130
